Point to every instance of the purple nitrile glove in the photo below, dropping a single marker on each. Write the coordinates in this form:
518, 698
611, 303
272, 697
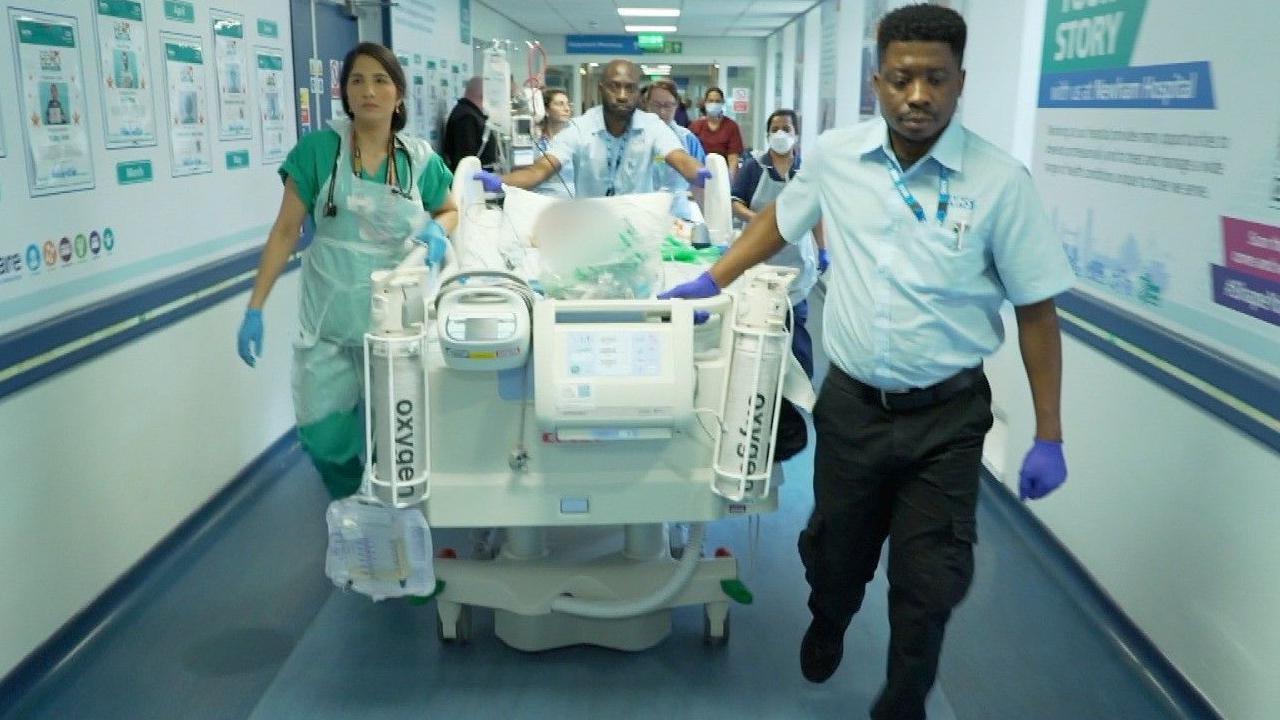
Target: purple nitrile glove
703, 176
249, 339
824, 261
491, 182
703, 286
1043, 470
434, 237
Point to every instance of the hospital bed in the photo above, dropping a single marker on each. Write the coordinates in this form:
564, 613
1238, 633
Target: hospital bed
580, 430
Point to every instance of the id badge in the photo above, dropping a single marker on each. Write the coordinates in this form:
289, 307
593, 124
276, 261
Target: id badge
960, 220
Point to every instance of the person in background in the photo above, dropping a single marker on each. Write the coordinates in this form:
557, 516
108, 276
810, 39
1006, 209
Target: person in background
558, 113
718, 133
662, 98
932, 229
612, 146
761, 179
467, 130
368, 186
682, 113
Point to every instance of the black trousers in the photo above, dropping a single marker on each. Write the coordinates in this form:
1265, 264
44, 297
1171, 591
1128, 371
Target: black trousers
911, 477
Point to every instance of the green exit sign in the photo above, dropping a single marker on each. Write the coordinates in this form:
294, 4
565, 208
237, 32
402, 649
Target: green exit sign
650, 41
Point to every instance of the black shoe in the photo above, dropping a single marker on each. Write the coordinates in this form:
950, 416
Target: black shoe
821, 651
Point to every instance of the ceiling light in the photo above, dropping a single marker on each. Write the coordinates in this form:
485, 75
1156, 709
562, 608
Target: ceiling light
651, 28
649, 12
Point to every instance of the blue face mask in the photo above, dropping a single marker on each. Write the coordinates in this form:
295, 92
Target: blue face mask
715, 109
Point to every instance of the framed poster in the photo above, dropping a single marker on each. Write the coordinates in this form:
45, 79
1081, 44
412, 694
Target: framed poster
234, 117
188, 104
128, 105
51, 91
272, 96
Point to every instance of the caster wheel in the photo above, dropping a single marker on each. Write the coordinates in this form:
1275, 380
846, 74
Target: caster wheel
714, 640
461, 629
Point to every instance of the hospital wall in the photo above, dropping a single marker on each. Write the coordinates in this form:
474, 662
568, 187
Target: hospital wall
103, 460
1169, 508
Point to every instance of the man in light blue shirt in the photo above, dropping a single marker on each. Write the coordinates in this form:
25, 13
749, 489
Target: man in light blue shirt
930, 230
612, 146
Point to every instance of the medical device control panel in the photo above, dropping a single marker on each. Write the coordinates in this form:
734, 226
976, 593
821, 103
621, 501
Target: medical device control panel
483, 328
612, 372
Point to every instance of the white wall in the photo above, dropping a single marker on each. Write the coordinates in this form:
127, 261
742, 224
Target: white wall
790, 43
103, 460
1169, 508
811, 77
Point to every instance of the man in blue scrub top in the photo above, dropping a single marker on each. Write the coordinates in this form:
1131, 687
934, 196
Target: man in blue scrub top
612, 146
930, 229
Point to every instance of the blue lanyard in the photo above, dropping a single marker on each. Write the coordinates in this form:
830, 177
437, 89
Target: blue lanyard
944, 192
615, 159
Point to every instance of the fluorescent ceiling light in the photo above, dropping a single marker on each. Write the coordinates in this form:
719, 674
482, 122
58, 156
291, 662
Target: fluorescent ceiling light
649, 12
650, 28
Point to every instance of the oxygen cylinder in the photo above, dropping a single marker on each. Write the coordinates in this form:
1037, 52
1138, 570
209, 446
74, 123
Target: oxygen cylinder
397, 401
761, 341
747, 437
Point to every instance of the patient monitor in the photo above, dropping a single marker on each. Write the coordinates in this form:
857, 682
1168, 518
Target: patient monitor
607, 373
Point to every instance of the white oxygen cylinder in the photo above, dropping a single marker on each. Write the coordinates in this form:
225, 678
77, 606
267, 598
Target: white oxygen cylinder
396, 395
398, 399
761, 341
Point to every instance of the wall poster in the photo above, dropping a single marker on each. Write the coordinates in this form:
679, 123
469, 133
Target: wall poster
51, 90
234, 117
188, 104
271, 102
128, 105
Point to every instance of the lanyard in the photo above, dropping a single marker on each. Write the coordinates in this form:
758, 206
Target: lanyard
944, 192
615, 159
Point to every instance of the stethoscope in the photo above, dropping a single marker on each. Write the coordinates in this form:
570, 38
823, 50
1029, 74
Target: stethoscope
403, 190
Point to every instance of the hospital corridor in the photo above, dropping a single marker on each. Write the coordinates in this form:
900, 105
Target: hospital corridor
654, 359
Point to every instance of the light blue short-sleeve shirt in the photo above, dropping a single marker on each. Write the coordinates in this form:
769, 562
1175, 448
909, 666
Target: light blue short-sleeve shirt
911, 303
602, 162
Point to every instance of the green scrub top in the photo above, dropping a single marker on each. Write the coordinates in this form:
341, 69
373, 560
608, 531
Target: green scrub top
311, 160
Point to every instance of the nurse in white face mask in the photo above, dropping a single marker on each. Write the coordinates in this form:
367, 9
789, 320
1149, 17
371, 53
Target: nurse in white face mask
763, 176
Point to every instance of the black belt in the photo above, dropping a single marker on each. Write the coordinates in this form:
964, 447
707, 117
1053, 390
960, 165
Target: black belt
916, 398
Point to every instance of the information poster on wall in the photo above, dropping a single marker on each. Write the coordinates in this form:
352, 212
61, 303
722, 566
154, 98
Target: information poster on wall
188, 104
271, 101
51, 88
1158, 156
128, 105
234, 117
435, 83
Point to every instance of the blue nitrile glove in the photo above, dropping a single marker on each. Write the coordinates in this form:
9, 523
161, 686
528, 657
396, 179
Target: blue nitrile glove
703, 176
703, 286
1043, 470
249, 339
491, 182
433, 236
824, 261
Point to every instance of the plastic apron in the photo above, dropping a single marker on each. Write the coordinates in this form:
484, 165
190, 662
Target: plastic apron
801, 255
367, 233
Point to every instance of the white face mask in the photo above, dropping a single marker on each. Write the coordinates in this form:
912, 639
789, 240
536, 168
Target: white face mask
781, 142
715, 109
